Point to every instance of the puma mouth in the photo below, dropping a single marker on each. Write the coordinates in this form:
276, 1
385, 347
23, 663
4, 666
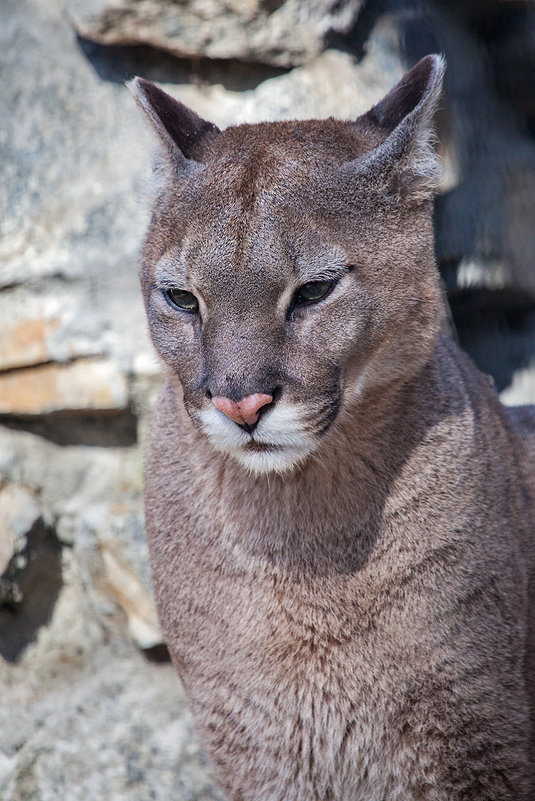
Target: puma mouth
291, 447
260, 447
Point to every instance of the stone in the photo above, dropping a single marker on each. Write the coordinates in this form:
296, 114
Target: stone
114, 538
98, 586
279, 32
20, 521
117, 727
24, 342
331, 85
29, 588
19, 511
52, 324
134, 599
85, 384
68, 198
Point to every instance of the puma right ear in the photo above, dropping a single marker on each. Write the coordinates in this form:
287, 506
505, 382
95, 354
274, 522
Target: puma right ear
180, 131
406, 160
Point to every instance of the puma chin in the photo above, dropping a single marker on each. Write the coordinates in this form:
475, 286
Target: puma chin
278, 444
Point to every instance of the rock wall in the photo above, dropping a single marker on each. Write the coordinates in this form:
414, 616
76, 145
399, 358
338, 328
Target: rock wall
90, 706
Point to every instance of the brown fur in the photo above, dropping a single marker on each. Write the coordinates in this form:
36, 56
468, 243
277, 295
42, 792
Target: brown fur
349, 605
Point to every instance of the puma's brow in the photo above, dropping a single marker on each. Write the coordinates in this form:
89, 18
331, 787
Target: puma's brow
168, 272
330, 272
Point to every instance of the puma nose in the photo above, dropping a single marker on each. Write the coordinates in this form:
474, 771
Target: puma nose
245, 411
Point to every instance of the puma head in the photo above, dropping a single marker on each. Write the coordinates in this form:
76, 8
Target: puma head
288, 270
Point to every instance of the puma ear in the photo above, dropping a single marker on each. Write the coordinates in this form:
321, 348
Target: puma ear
406, 158
180, 131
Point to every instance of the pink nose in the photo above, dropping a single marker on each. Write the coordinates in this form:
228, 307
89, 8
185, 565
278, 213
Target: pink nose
246, 410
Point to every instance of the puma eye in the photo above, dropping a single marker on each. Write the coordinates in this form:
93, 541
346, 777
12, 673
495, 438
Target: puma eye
183, 300
313, 291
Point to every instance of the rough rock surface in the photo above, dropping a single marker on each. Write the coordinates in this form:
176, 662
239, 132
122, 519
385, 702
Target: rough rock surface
283, 33
88, 710
115, 728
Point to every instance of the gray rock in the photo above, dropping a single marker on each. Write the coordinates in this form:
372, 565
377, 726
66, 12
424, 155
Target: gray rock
117, 728
332, 84
19, 510
66, 154
280, 32
84, 385
91, 498
117, 560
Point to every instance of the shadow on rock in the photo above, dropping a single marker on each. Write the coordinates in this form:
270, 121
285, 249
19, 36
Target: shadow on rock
29, 589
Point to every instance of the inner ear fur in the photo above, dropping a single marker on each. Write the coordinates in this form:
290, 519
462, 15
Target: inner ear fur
180, 131
406, 160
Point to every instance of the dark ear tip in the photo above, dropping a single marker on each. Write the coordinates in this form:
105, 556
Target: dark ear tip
139, 87
431, 60
135, 87
419, 88
439, 64
430, 67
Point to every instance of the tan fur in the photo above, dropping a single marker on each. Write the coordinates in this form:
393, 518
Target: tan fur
347, 590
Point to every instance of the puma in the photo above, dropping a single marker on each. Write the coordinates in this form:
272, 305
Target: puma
339, 510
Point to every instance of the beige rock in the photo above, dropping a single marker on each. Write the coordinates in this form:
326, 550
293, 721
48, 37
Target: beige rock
24, 342
134, 599
84, 385
50, 324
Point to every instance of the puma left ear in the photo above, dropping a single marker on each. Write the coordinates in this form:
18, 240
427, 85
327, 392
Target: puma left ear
180, 131
406, 158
